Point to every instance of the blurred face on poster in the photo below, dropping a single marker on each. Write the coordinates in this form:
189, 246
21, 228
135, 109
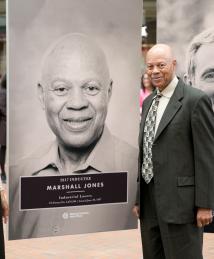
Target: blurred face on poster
75, 91
200, 62
204, 72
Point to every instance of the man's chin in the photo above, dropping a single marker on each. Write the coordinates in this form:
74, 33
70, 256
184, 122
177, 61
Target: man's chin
79, 140
78, 143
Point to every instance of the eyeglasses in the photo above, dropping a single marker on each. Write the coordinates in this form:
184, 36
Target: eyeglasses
160, 66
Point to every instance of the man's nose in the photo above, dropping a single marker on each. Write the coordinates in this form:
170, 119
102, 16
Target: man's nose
156, 69
76, 99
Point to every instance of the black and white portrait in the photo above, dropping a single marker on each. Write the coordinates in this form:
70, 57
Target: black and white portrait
74, 71
192, 39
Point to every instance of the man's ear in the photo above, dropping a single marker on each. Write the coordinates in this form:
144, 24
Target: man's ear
174, 62
186, 79
41, 93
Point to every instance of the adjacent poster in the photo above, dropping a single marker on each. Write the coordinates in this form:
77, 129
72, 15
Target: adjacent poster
191, 37
74, 73
187, 26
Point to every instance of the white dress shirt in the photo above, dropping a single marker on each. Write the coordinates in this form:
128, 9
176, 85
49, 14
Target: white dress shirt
164, 100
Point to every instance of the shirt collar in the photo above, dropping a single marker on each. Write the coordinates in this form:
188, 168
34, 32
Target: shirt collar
49, 156
101, 158
169, 90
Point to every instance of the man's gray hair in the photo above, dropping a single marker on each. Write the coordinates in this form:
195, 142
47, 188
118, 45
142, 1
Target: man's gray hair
205, 37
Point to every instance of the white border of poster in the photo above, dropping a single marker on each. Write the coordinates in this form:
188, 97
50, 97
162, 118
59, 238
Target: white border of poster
33, 26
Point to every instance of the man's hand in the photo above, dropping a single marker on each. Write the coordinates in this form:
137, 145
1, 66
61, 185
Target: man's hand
5, 207
136, 211
204, 217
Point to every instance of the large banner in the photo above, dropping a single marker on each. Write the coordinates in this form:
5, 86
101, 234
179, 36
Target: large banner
74, 73
187, 26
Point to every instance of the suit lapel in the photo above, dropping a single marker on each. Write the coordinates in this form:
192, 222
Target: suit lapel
172, 108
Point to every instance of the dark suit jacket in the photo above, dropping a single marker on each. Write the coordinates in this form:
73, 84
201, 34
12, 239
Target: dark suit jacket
183, 156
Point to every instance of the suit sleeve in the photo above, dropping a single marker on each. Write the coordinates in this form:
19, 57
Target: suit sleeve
137, 200
203, 144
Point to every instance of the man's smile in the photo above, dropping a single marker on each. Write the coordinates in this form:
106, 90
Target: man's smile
77, 124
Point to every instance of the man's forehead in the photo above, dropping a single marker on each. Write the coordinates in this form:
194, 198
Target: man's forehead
75, 55
74, 44
68, 56
154, 61
202, 63
206, 50
160, 51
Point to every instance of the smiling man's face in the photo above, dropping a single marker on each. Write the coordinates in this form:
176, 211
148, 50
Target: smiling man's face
75, 93
160, 66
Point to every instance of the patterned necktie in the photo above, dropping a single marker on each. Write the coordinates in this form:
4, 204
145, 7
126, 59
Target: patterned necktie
149, 135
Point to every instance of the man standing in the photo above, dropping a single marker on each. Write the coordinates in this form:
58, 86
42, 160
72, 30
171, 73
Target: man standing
176, 173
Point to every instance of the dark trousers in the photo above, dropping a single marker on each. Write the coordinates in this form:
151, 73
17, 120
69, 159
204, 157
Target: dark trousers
2, 249
161, 240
